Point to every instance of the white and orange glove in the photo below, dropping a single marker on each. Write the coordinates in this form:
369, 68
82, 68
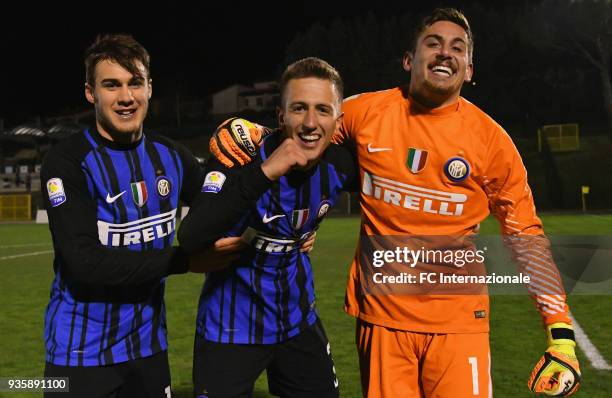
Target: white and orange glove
236, 141
557, 373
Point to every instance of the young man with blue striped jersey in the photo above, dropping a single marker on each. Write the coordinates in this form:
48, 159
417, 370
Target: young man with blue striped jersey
259, 313
112, 196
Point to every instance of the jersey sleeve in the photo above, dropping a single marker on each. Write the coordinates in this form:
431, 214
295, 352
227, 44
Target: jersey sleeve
511, 202
193, 174
72, 212
226, 196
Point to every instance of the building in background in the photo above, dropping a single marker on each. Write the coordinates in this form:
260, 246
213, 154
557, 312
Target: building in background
260, 97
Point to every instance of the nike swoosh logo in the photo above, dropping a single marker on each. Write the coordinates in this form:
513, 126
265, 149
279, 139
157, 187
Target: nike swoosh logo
372, 150
110, 199
267, 219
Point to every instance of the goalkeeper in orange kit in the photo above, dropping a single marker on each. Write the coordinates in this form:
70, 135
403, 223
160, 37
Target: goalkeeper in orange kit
449, 165
432, 163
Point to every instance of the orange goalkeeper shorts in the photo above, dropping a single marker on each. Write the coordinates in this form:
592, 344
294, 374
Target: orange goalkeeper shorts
401, 364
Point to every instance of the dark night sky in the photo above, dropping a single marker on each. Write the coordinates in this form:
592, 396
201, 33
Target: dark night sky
200, 49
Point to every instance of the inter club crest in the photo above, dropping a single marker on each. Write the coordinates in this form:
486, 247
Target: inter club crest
164, 187
139, 193
457, 169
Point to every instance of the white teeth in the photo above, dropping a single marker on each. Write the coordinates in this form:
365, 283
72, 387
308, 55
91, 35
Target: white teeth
439, 69
310, 138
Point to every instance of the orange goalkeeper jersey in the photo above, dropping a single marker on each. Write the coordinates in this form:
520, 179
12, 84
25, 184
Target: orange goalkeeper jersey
440, 172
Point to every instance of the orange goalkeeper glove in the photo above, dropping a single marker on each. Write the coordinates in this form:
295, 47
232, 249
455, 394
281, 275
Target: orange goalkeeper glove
236, 140
557, 373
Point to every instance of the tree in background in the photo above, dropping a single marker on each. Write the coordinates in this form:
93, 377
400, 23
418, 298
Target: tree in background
582, 29
519, 80
366, 50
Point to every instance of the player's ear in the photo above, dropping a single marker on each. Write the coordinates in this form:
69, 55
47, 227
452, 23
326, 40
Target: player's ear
280, 114
150, 88
339, 121
407, 61
89, 93
469, 72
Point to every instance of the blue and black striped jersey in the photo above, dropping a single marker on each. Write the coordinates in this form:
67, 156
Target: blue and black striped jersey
112, 215
267, 296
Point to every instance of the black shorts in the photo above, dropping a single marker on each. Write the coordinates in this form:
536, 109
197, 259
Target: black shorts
299, 367
141, 378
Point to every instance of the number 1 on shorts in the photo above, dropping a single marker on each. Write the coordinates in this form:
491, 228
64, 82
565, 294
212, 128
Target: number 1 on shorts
474, 363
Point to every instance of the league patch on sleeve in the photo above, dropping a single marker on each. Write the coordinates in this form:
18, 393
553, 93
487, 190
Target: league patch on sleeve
55, 189
213, 182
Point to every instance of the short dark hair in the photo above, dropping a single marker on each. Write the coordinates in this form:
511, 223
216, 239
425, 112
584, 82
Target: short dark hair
120, 48
443, 14
312, 67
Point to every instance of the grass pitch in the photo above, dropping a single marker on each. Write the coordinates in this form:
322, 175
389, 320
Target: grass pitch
517, 337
